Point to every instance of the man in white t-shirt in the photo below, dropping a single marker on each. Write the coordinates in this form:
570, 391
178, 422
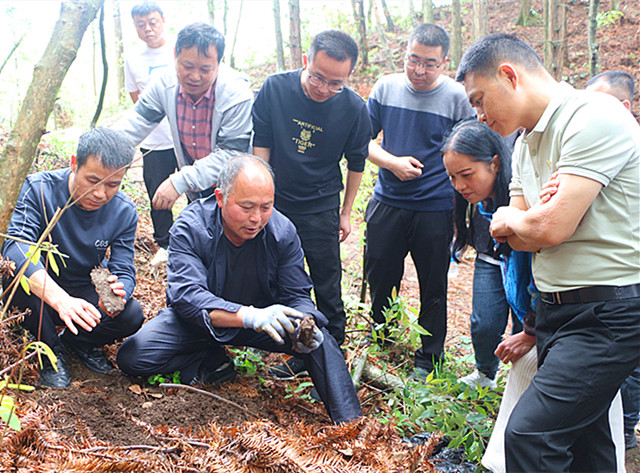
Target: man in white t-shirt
159, 160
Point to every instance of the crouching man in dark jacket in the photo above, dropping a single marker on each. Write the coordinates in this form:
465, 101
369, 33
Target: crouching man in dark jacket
236, 277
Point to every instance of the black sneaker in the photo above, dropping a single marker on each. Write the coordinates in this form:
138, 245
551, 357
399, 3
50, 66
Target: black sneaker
51, 378
630, 440
290, 369
225, 372
92, 358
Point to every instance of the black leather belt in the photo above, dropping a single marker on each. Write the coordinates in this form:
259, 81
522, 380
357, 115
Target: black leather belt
591, 294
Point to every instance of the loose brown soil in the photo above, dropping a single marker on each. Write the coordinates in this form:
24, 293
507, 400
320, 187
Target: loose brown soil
101, 406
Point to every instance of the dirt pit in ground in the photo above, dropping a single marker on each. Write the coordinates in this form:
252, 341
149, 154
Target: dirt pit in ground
107, 407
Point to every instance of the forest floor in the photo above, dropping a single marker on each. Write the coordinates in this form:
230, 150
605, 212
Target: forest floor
113, 421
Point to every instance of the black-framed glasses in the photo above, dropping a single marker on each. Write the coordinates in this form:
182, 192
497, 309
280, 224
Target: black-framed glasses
427, 66
335, 87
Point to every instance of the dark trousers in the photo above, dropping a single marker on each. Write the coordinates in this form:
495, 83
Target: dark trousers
44, 320
166, 343
631, 400
157, 166
585, 352
391, 234
320, 237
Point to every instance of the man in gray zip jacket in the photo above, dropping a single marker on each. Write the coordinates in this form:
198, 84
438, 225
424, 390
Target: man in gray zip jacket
208, 106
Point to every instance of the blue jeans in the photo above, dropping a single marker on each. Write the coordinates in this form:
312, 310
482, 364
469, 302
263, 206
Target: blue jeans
489, 316
631, 400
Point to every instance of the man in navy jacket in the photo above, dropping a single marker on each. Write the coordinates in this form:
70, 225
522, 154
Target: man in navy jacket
236, 277
100, 218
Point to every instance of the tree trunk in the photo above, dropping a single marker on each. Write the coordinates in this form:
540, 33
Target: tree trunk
48, 74
279, 43
592, 40
555, 37
295, 41
358, 13
480, 19
614, 5
383, 39
232, 57
525, 18
412, 14
117, 28
456, 34
427, 11
211, 8
387, 15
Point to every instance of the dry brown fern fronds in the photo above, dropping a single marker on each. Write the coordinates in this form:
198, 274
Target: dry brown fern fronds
272, 449
16, 316
216, 461
7, 267
338, 434
417, 459
105, 463
29, 441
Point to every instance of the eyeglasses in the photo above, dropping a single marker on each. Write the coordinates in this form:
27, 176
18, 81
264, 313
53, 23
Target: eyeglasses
427, 66
333, 86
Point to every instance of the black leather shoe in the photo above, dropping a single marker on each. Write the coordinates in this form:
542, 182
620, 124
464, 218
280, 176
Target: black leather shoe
291, 369
223, 373
92, 358
51, 378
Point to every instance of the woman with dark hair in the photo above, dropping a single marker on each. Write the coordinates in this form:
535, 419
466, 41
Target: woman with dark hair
478, 161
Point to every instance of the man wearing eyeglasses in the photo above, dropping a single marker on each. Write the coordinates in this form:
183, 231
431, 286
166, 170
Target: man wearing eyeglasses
304, 122
411, 208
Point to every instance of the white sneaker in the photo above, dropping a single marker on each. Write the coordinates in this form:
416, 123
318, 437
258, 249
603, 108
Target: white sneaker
159, 258
476, 379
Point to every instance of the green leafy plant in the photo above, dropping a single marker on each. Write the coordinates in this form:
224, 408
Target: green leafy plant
246, 361
7, 403
173, 378
299, 390
608, 18
463, 415
401, 324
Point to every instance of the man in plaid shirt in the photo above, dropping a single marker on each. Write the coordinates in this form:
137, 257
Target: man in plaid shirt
208, 107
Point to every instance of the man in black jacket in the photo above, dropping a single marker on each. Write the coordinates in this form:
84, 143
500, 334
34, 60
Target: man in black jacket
235, 270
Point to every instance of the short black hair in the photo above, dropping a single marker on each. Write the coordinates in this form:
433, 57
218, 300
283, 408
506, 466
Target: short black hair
429, 34
336, 44
485, 55
144, 8
108, 146
229, 173
201, 35
621, 82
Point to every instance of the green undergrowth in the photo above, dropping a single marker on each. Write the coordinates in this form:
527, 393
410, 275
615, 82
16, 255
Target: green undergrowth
439, 403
